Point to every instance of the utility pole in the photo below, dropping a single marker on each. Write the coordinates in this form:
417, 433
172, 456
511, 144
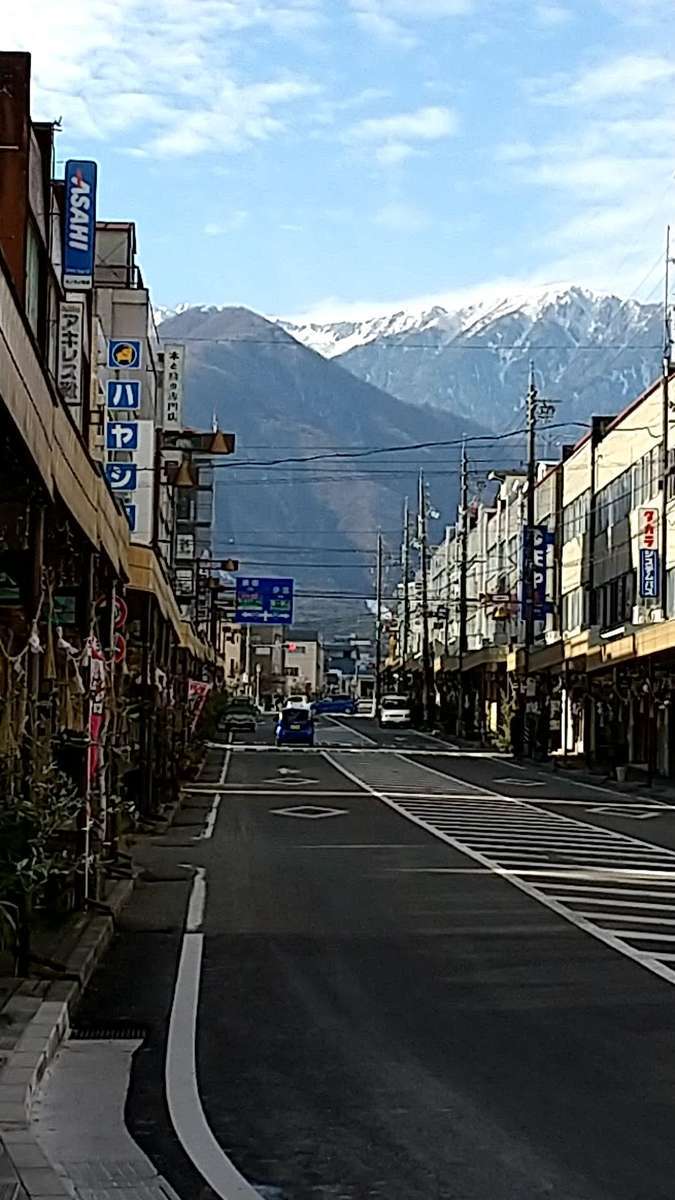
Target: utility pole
378, 627
528, 582
427, 668
462, 646
665, 435
406, 589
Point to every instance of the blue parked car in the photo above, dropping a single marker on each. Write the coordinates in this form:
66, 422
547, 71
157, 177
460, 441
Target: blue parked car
295, 727
335, 704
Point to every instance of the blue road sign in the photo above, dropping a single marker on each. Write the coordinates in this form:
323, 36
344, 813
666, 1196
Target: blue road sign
124, 393
121, 435
263, 601
122, 477
649, 574
125, 354
79, 234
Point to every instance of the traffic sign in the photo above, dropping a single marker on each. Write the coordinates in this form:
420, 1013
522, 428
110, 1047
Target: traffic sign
263, 601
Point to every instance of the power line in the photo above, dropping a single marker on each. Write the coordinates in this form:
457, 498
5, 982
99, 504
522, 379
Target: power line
476, 437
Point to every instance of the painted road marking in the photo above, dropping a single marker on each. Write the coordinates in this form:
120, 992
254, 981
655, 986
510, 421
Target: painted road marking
358, 736
182, 1092
308, 812
295, 781
521, 782
631, 812
518, 841
195, 913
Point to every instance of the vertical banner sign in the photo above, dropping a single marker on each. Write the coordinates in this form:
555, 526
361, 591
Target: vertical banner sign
197, 693
536, 541
174, 365
649, 574
79, 237
649, 528
69, 368
648, 543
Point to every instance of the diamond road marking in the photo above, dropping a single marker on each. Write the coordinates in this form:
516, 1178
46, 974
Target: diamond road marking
308, 812
291, 781
631, 812
521, 782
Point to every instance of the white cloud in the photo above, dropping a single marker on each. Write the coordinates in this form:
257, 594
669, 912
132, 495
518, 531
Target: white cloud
552, 16
235, 220
393, 153
172, 58
490, 292
390, 20
424, 124
402, 217
622, 78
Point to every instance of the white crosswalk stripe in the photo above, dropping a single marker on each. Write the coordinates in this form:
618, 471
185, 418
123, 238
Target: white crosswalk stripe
565, 864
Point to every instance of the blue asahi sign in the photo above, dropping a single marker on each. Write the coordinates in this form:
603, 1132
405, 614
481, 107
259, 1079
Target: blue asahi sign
79, 234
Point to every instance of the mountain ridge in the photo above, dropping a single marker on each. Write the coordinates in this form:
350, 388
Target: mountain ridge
593, 352
315, 465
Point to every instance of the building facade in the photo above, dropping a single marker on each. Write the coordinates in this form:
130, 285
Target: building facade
598, 679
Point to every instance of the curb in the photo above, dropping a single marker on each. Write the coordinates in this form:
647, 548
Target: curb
35, 1050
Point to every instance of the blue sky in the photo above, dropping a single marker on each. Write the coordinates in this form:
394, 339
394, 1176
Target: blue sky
341, 157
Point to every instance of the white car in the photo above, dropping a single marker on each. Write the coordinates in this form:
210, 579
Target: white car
297, 701
394, 710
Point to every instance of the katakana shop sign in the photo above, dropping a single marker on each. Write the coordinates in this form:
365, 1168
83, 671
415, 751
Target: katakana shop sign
649, 528
69, 365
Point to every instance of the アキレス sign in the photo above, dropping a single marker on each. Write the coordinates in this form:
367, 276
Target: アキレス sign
69, 367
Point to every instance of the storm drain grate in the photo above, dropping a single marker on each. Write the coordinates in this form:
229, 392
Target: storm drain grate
109, 1031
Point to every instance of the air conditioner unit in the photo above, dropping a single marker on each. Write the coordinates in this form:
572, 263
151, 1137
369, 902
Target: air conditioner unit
638, 616
551, 636
655, 615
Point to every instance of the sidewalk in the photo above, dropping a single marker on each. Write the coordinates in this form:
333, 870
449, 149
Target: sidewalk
35, 1019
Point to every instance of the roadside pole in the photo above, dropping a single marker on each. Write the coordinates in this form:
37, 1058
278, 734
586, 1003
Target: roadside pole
378, 626
528, 581
462, 644
406, 590
427, 668
665, 435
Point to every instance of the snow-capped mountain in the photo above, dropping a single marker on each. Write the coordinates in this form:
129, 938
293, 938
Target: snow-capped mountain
592, 352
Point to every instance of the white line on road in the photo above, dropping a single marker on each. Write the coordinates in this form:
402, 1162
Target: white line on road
195, 913
232, 790
212, 817
213, 812
614, 938
356, 733
182, 1090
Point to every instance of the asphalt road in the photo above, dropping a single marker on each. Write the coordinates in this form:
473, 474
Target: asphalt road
400, 996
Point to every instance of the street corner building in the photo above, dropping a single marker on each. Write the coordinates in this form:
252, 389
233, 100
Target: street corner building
101, 657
